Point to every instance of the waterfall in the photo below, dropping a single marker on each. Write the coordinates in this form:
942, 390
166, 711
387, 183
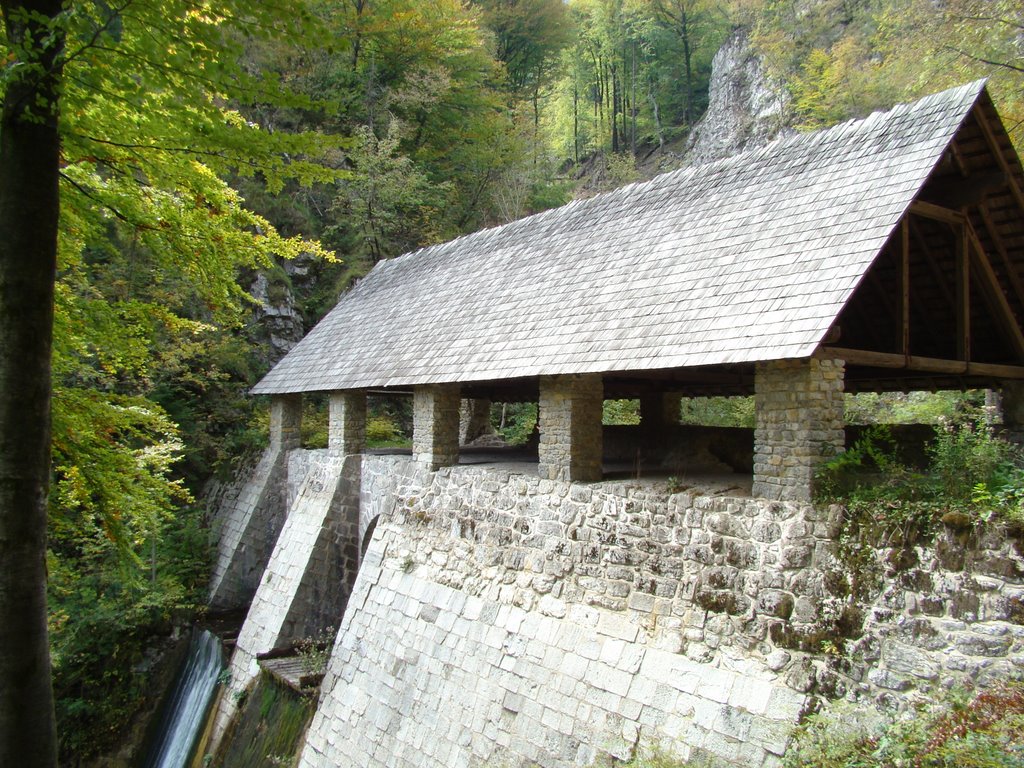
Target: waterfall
185, 713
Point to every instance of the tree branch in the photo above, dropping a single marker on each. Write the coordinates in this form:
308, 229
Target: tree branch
979, 59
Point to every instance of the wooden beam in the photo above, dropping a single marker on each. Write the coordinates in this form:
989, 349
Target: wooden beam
993, 145
994, 292
963, 295
936, 212
872, 359
904, 345
879, 286
970, 191
1008, 265
958, 158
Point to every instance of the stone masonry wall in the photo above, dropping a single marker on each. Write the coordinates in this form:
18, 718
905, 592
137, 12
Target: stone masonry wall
598, 583
502, 619
947, 611
427, 675
799, 423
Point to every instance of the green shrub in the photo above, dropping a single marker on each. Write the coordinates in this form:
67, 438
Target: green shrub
620, 412
520, 421
382, 431
983, 731
971, 472
717, 411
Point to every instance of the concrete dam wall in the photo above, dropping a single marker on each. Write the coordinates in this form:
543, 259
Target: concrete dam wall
499, 619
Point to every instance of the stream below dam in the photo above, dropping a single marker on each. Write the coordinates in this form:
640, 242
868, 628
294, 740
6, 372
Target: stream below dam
185, 712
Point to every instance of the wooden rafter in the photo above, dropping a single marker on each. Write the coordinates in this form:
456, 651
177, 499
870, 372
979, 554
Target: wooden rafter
879, 287
993, 145
997, 241
969, 191
905, 286
940, 279
862, 323
989, 284
958, 158
937, 212
963, 294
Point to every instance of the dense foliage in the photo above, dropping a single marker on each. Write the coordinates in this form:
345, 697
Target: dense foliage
970, 477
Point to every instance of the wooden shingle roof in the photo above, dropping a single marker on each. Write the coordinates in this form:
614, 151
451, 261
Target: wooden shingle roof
747, 259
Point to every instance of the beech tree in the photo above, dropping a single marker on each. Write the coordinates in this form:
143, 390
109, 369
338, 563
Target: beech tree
29, 204
118, 127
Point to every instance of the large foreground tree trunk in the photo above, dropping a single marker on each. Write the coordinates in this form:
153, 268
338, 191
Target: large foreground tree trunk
29, 172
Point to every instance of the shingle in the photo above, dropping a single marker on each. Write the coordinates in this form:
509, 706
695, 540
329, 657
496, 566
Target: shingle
746, 259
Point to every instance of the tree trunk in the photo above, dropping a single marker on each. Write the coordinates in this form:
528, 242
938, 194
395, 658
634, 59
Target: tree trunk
684, 34
575, 125
613, 106
29, 203
632, 100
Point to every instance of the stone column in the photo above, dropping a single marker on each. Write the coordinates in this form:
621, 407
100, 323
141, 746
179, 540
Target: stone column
474, 419
1009, 412
660, 410
346, 429
435, 426
570, 427
286, 421
798, 424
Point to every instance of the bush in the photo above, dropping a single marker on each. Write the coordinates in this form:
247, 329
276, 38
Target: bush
986, 731
970, 472
382, 431
620, 412
717, 411
520, 421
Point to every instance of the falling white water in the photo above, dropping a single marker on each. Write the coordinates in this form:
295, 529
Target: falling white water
186, 710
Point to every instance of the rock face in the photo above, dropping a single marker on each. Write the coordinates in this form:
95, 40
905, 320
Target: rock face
746, 109
275, 313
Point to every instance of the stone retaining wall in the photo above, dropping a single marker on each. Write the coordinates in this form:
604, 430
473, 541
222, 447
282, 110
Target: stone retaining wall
502, 619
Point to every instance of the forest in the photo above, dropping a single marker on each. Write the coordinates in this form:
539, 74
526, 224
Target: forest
206, 148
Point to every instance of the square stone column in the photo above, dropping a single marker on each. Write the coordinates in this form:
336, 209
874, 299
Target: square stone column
798, 424
346, 430
286, 421
659, 410
435, 425
1011, 405
570, 427
474, 419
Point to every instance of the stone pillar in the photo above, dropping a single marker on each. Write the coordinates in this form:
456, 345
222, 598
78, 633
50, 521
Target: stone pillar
474, 419
1010, 411
570, 427
660, 409
286, 421
435, 426
346, 429
798, 424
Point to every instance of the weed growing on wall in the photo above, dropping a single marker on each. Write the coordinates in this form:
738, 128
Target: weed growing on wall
314, 652
986, 729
